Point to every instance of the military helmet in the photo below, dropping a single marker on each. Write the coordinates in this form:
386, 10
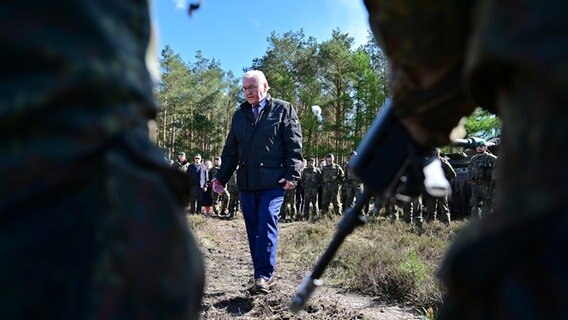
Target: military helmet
181, 154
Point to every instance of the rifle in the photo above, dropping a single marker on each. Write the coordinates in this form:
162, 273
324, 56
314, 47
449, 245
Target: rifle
386, 158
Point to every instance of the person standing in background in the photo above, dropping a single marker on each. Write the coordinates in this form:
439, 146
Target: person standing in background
197, 175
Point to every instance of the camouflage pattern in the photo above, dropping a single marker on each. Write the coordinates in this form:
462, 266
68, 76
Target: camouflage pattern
412, 211
92, 216
353, 188
220, 201
233, 190
288, 208
181, 166
332, 176
512, 263
391, 209
437, 208
480, 175
312, 181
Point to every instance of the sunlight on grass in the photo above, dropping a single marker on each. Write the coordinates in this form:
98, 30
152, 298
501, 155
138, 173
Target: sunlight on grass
394, 261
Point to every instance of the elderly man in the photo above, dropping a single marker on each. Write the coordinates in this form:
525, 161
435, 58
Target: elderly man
265, 141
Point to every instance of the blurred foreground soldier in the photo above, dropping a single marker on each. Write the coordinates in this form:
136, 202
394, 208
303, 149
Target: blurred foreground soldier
511, 57
332, 176
480, 173
97, 230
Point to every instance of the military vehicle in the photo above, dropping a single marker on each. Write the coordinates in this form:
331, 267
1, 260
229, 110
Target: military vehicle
459, 202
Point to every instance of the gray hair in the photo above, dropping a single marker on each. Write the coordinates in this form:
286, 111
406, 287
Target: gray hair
255, 74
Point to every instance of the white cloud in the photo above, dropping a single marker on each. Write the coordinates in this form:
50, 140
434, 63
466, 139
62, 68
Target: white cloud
180, 4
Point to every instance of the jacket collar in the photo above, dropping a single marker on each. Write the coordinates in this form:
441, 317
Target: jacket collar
247, 107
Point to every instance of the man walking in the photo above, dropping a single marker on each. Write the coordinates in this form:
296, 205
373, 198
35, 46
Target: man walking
265, 141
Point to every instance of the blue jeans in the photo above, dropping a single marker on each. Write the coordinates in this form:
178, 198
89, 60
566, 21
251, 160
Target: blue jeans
260, 211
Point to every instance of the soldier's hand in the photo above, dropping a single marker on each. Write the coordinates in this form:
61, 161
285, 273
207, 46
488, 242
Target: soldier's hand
287, 185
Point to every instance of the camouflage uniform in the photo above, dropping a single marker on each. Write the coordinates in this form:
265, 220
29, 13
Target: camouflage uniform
480, 174
220, 201
233, 190
437, 208
412, 211
332, 175
181, 165
288, 208
92, 223
311, 178
510, 57
353, 188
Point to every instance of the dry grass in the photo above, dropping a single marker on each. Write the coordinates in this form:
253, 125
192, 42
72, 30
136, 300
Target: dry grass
395, 262
390, 264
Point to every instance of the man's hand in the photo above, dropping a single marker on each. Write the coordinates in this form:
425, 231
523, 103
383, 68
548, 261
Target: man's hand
217, 186
287, 185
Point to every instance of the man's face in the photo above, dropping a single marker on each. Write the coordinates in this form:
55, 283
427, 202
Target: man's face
181, 158
197, 159
328, 160
480, 149
310, 164
254, 91
217, 162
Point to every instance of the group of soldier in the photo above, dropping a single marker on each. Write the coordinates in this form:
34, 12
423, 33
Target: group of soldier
327, 189
330, 189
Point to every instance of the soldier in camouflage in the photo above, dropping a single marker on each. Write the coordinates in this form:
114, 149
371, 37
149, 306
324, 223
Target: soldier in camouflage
181, 164
92, 223
437, 208
332, 176
480, 173
220, 201
288, 208
312, 180
233, 190
352, 184
447, 58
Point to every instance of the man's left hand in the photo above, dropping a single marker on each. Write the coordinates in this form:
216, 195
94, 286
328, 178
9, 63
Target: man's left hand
287, 185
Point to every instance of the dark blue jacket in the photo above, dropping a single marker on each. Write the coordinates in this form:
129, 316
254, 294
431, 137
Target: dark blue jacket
197, 175
265, 150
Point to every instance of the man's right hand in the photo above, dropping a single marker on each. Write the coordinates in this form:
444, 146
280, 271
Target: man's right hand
217, 186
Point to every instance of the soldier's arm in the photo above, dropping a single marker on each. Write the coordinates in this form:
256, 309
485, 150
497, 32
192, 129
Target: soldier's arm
427, 77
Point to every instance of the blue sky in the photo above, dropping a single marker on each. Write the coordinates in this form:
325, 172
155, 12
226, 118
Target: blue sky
234, 32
